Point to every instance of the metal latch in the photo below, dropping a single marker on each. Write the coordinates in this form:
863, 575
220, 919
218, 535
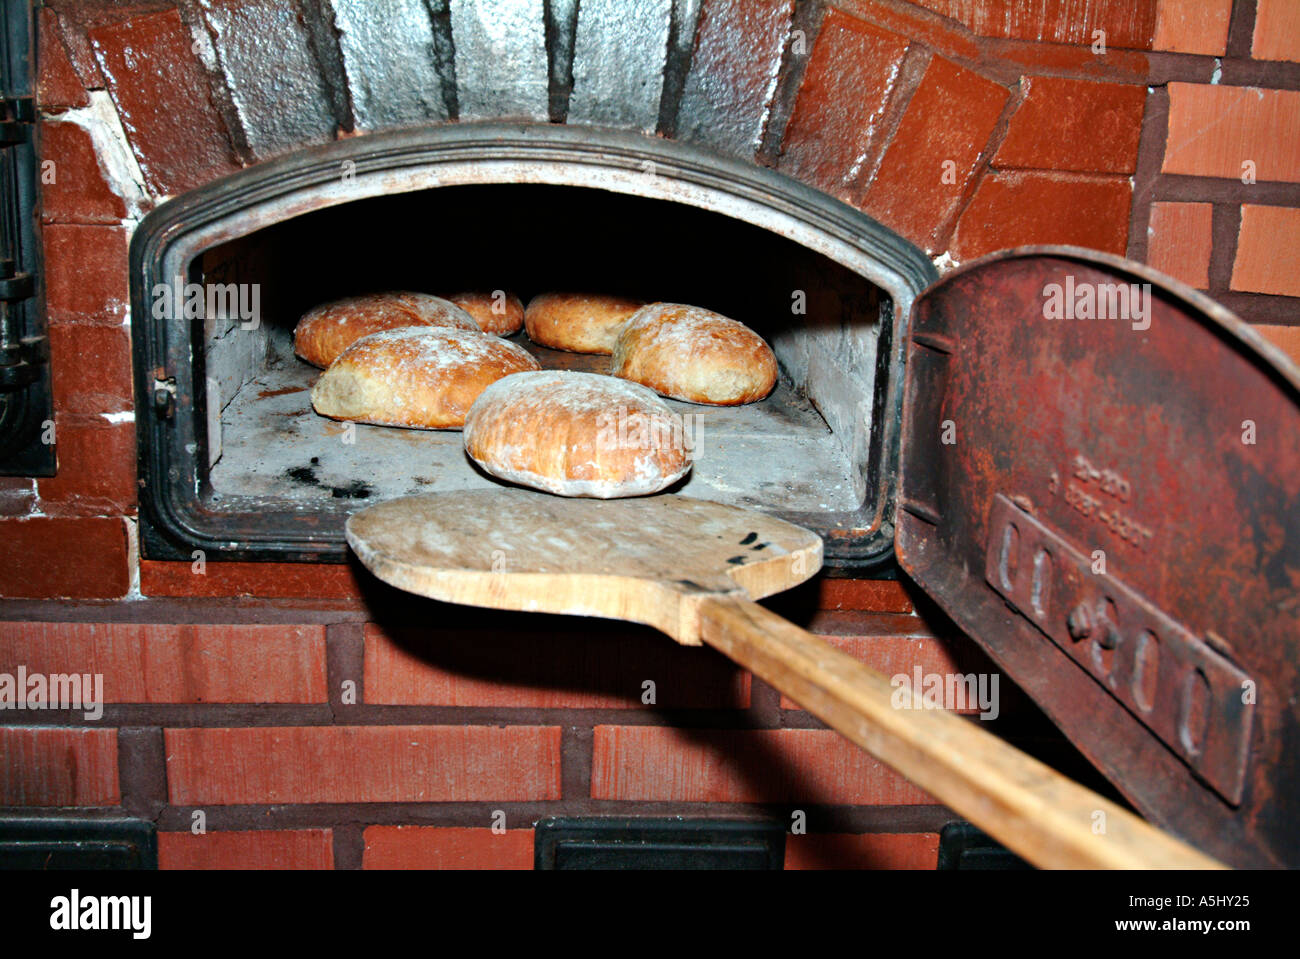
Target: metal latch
164, 394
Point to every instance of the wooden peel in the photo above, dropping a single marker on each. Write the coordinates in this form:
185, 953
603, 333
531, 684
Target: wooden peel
693, 569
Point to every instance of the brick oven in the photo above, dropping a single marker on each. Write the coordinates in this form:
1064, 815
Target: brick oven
174, 527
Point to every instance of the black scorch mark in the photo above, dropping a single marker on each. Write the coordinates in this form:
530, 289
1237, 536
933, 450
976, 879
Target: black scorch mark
307, 476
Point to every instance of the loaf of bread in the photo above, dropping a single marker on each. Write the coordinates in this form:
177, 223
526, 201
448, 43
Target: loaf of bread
577, 434
419, 377
578, 322
326, 331
496, 312
694, 354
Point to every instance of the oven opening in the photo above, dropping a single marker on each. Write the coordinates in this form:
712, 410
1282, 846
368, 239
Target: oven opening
803, 452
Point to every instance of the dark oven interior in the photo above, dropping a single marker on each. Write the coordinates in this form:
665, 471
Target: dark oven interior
234, 460
804, 449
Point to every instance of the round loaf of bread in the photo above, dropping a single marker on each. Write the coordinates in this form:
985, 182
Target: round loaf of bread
326, 331
496, 312
418, 376
578, 322
577, 434
694, 354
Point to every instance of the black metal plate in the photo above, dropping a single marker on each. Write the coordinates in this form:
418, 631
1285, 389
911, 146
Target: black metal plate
563, 843
965, 847
78, 844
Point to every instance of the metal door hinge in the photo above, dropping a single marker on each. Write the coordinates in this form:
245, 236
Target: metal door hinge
17, 115
21, 358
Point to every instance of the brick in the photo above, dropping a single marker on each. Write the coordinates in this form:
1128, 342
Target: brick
1126, 23
352, 764
254, 849
58, 767
725, 98
1215, 130
1180, 241
444, 847
162, 94
545, 671
835, 124
1015, 208
1277, 31
167, 663
86, 274
865, 851
892, 655
17, 495
858, 622
1193, 26
1268, 251
489, 85
618, 63
1011, 58
818, 766
269, 66
96, 468
64, 558
90, 368
875, 595
1285, 338
77, 191
57, 85
949, 39
932, 158
267, 580
1074, 125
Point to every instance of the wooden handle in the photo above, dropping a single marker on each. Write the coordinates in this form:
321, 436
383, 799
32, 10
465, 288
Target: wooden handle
1046, 818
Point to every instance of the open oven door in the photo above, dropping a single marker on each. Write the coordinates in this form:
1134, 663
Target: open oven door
1100, 483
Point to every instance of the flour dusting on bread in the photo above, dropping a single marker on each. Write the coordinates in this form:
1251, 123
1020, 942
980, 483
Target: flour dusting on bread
327, 330
694, 354
577, 434
418, 377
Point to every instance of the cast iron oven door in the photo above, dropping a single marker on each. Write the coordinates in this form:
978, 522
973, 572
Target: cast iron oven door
1100, 482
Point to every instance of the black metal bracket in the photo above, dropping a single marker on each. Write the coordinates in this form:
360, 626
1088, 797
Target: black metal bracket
26, 403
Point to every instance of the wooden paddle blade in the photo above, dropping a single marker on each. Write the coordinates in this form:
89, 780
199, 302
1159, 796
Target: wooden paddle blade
647, 560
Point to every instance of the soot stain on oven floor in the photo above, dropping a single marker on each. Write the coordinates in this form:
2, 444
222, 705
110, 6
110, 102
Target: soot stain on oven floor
307, 476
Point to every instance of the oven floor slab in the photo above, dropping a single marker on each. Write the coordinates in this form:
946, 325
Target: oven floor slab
776, 454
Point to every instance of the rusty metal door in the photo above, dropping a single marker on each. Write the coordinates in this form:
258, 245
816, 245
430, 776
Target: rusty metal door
1100, 483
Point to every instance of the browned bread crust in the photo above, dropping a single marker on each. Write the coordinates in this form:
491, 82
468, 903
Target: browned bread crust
502, 315
694, 354
577, 434
417, 376
578, 322
326, 331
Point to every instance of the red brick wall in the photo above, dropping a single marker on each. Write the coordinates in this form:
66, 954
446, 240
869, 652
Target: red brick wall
276, 735
967, 126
